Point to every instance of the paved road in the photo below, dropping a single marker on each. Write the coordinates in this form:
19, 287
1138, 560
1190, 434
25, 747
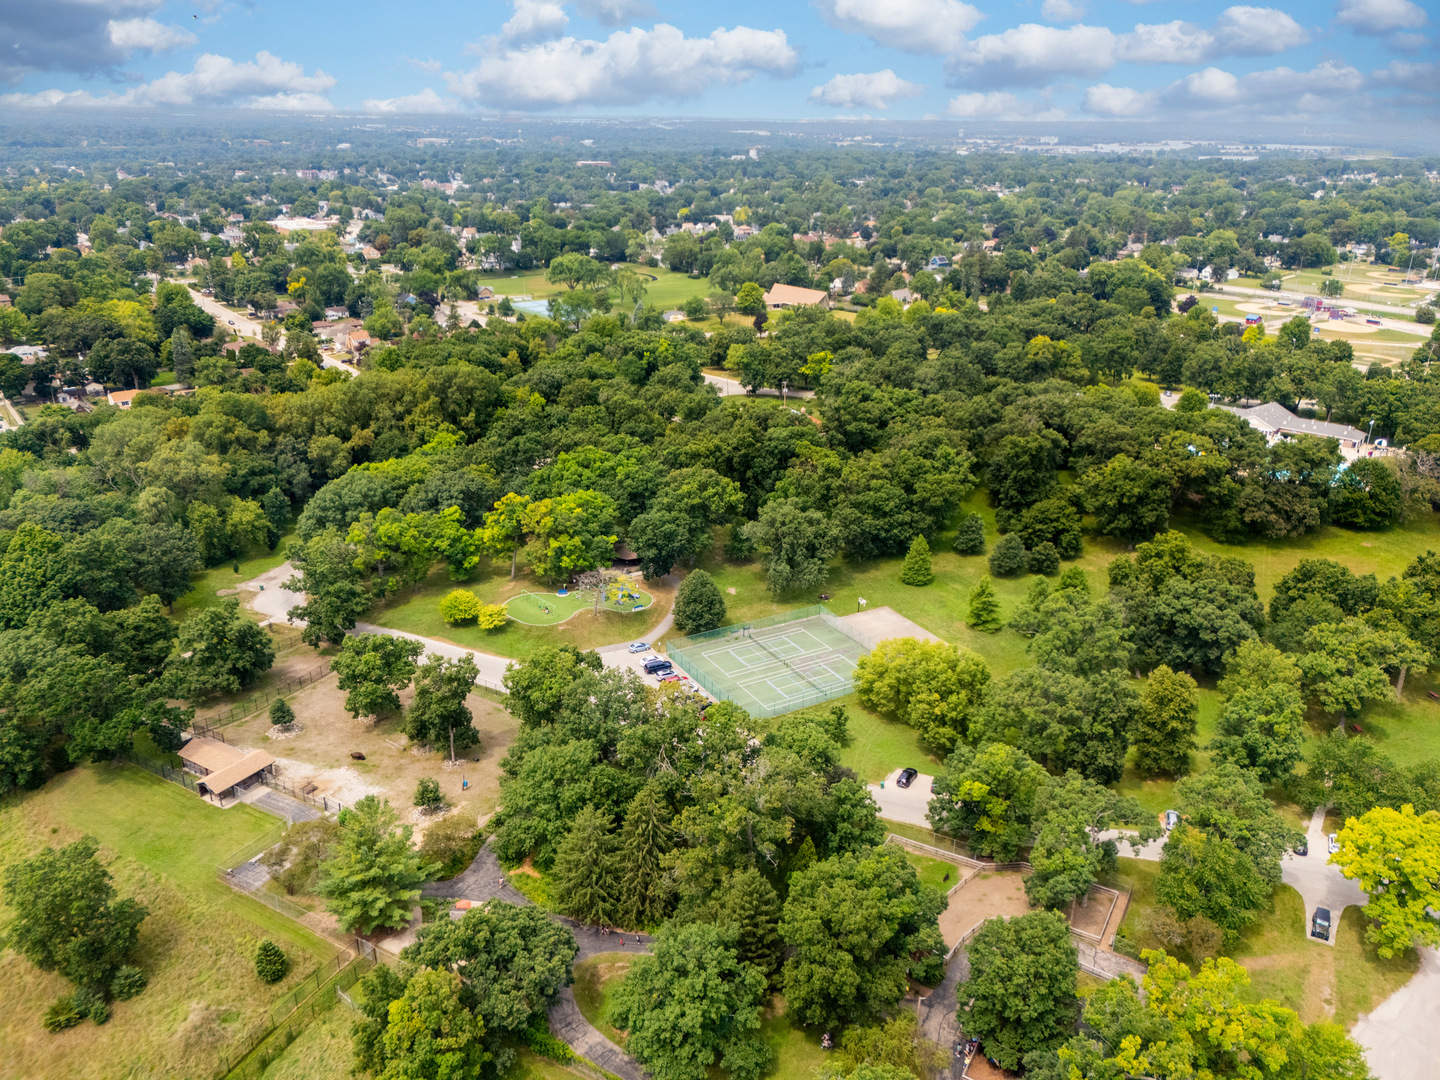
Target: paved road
910, 805
1402, 1036
274, 601
730, 388
484, 880
1318, 882
243, 325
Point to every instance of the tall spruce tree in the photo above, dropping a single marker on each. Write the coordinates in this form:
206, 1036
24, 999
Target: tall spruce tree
916, 568
584, 873
182, 355
645, 838
984, 607
752, 905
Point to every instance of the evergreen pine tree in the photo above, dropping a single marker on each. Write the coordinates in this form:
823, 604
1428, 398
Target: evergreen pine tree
584, 873
751, 904
1008, 558
916, 569
970, 538
281, 713
182, 355
271, 963
645, 837
984, 607
804, 857
699, 606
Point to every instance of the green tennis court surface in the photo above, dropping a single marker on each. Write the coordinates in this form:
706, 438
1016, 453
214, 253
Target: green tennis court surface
774, 665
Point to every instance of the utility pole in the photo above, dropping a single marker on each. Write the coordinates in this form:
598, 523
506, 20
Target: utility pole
784, 386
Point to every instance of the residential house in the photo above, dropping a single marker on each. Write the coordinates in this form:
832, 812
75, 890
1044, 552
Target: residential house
674, 315
369, 253
485, 293
4, 300
122, 399
332, 314
788, 296
939, 262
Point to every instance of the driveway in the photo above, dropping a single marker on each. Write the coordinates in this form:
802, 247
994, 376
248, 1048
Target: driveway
1318, 882
1402, 1036
909, 805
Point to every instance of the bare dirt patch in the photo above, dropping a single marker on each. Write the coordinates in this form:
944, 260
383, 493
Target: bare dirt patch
1091, 917
320, 754
982, 897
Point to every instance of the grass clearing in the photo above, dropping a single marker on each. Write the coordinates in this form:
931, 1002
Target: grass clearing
161, 844
322, 1051
418, 612
206, 584
937, 873
665, 290
797, 1052
595, 983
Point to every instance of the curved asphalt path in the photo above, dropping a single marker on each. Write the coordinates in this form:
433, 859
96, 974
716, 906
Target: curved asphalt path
484, 880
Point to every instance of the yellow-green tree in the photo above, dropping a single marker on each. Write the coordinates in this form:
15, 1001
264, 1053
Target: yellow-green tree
1395, 856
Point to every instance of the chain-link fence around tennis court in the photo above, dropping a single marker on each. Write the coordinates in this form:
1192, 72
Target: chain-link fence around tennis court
776, 664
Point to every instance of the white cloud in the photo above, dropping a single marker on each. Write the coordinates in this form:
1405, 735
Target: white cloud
426, 101
266, 83
1379, 16
1257, 31
1106, 100
627, 68
614, 12
535, 20
875, 90
1063, 11
999, 105
1035, 54
147, 35
918, 26
1177, 42
1273, 93
1422, 78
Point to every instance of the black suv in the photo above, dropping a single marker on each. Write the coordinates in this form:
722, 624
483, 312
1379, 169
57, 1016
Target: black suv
1320, 924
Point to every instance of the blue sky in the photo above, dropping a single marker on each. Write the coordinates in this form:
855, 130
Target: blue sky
1345, 61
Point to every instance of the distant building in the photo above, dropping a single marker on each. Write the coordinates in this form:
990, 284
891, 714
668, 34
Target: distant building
788, 296
333, 314
122, 399
939, 262
674, 315
1275, 422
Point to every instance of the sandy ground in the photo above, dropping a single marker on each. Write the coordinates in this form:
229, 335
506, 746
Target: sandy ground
982, 897
320, 754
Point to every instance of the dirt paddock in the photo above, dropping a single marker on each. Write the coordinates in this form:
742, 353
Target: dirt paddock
983, 896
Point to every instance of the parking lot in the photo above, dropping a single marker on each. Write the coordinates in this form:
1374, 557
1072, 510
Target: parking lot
908, 804
619, 656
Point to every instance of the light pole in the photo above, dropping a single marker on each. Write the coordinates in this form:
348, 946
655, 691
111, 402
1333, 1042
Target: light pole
784, 386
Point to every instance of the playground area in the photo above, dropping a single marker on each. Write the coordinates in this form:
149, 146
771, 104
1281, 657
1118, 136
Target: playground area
774, 665
549, 609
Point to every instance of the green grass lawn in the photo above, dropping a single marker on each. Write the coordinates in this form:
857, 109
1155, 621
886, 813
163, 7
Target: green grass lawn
876, 747
418, 612
163, 378
797, 1052
595, 983
667, 290
205, 584
549, 608
161, 844
322, 1051
937, 873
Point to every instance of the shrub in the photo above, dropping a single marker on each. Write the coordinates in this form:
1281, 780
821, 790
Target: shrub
271, 963
1008, 558
538, 1038
459, 606
491, 616
1192, 400
427, 793
970, 538
63, 1014
129, 980
1045, 559
88, 1003
916, 568
281, 713
1425, 314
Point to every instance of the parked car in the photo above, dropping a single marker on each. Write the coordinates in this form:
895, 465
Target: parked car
1302, 848
1334, 844
670, 677
1172, 818
654, 664
638, 646
1320, 924
906, 777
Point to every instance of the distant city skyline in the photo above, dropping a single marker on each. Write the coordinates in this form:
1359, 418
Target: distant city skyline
1348, 63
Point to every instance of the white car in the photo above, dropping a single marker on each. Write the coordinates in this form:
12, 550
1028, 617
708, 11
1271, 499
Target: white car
638, 646
1334, 844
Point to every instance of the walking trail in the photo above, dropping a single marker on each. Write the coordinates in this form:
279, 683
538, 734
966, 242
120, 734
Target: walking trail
484, 880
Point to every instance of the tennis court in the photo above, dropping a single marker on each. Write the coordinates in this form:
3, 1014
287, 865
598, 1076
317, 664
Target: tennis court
774, 665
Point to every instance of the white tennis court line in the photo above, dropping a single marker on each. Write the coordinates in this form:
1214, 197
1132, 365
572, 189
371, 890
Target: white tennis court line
743, 654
